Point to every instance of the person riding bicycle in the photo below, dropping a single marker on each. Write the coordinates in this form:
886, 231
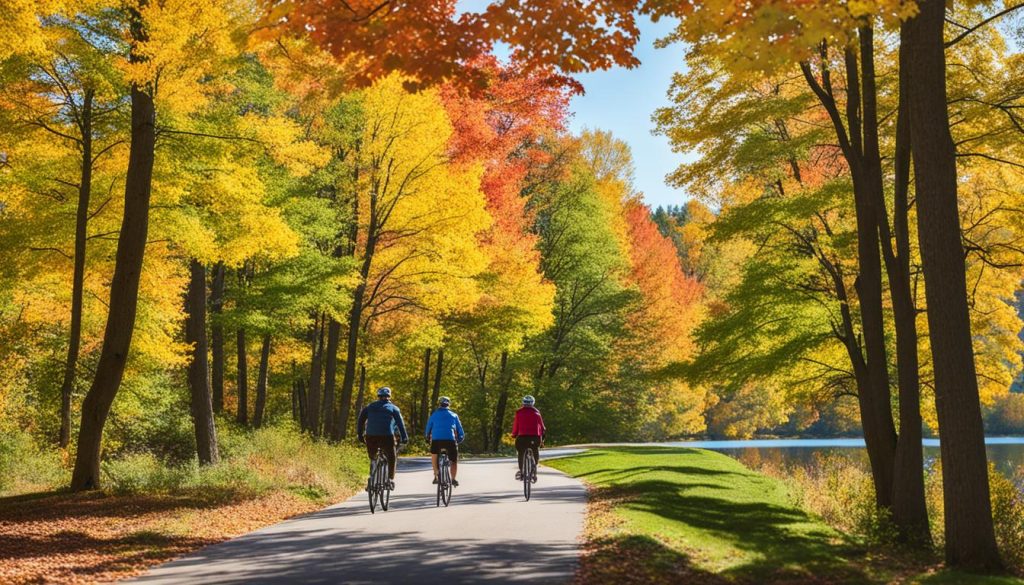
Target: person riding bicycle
444, 431
383, 425
528, 431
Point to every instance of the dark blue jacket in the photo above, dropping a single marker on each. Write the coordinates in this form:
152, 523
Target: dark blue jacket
381, 418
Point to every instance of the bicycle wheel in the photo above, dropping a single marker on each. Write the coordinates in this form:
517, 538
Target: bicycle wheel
442, 461
528, 470
372, 487
446, 493
383, 491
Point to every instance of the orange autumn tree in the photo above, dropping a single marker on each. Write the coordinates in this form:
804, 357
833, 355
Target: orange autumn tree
668, 311
432, 41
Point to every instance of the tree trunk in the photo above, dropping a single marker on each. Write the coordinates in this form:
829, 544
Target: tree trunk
361, 395
124, 286
970, 538
243, 379
481, 369
217, 337
198, 369
874, 394
355, 316
437, 377
78, 276
504, 378
425, 407
910, 512
880, 435
300, 391
261, 382
331, 376
295, 402
315, 373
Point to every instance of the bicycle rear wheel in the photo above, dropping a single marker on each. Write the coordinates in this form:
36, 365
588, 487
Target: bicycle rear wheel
383, 491
442, 462
446, 493
528, 470
371, 489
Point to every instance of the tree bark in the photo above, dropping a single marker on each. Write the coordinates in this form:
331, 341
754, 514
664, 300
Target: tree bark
295, 402
355, 316
361, 395
437, 377
880, 436
315, 374
124, 287
481, 370
300, 391
910, 511
874, 394
198, 369
970, 538
424, 409
261, 382
217, 337
243, 379
78, 275
331, 376
504, 379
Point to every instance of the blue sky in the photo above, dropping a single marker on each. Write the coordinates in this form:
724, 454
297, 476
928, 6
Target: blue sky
622, 101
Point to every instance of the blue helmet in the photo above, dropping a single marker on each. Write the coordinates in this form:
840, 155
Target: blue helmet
383, 392
528, 400
445, 401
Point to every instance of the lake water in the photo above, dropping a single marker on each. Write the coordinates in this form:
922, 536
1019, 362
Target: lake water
1006, 452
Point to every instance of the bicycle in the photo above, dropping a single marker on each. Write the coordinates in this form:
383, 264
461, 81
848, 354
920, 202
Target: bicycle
529, 472
379, 486
444, 479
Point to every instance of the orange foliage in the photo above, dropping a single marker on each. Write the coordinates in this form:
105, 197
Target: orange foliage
430, 41
671, 299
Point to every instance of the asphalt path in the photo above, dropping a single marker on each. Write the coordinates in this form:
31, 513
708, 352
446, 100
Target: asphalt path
489, 534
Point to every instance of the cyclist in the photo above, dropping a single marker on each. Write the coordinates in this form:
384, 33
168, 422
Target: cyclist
383, 427
528, 431
444, 431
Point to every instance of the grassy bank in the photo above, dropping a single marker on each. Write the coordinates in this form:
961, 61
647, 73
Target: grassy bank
694, 516
150, 511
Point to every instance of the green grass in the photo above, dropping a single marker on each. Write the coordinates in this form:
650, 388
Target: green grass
695, 516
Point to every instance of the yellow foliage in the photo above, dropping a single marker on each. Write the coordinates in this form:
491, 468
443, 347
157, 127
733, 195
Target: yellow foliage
427, 213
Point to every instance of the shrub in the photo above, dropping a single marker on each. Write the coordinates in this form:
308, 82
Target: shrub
252, 463
141, 473
838, 490
26, 467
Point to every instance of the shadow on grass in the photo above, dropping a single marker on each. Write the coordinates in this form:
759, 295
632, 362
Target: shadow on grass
635, 559
772, 542
961, 578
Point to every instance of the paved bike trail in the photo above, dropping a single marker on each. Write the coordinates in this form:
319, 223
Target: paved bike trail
489, 534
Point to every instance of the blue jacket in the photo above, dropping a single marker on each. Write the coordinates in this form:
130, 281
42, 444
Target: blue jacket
444, 425
381, 418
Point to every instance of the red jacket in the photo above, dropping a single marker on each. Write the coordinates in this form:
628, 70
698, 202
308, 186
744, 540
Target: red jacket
528, 423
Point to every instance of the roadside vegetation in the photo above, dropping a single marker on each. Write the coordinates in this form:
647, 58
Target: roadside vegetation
151, 510
695, 516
